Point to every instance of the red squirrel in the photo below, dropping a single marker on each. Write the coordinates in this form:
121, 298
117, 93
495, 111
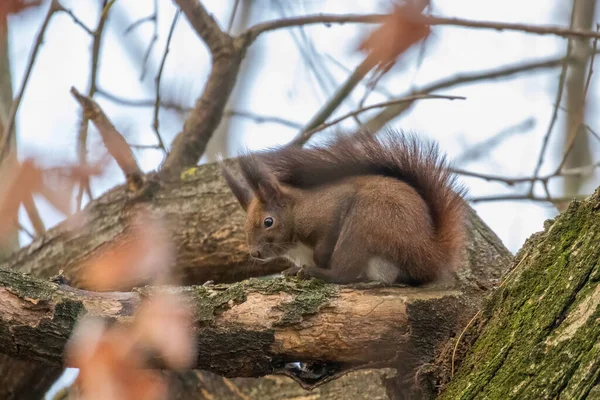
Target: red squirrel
361, 208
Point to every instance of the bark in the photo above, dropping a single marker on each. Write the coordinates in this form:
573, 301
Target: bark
538, 335
258, 326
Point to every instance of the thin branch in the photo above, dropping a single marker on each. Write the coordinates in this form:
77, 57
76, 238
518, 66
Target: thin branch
76, 20
83, 128
305, 136
579, 121
31, 235
9, 124
259, 119
139, 22
482, 148
233, 14
341, 94
258, 29
155, 124
393, 111
519, 197
507, 26
559, 93
113, 140
141, 102
579, 171
153, 41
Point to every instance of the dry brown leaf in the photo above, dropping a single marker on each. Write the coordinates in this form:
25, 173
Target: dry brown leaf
26, 179
165, 324
401, 29
142, 254
22, 181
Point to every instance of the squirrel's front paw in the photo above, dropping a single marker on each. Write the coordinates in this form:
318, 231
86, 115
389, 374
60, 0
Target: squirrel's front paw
302, 274
293, 271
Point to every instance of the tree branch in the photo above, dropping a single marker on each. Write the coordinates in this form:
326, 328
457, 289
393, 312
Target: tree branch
227, 54
254, 328
113, 140
306, 135
8, 125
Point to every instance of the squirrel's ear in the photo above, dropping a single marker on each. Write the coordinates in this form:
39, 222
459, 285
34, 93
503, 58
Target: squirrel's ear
240, 190
263, 183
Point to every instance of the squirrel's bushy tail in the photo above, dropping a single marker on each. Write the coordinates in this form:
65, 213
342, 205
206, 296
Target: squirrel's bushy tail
390, 153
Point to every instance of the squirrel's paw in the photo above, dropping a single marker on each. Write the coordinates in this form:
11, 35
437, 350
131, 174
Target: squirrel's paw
293, 271
302, 274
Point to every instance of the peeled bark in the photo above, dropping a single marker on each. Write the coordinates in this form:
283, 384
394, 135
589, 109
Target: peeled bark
537, 337
259, 327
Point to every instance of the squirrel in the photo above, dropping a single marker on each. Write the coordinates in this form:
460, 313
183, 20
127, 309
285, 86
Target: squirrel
357, 209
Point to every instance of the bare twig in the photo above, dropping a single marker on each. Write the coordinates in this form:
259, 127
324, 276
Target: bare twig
506, 26
152, 42
155, 124
341, 94
139, 22
579, 121
258, 29
393, 111
9, 124
518, 197
579, 171
26, 231
83, 128
482, 148
113, 140
559, 93
259, 119
305, 136
76, 20
233, 14
142, 102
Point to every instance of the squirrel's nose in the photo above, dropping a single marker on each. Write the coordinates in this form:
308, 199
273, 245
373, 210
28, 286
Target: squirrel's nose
255, 253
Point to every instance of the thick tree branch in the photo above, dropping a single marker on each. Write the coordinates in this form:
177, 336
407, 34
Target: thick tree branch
253, 328
227, 54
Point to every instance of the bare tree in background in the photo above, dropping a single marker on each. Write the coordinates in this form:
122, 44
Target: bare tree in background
504, 326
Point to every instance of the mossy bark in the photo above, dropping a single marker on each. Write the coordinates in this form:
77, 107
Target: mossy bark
538, 336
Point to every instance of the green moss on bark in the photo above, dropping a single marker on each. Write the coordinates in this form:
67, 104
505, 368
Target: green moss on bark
540, 334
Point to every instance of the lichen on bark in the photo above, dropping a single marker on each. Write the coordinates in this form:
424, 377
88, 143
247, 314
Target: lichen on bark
539, 331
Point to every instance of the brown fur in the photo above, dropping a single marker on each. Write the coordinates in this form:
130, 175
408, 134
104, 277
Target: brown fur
380, 208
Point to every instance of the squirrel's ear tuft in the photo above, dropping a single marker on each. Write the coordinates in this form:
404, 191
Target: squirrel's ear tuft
263, 183
240, 190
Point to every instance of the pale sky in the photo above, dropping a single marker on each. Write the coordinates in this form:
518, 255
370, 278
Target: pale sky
282, 86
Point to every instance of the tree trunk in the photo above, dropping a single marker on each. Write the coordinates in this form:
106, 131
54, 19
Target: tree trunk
538, 335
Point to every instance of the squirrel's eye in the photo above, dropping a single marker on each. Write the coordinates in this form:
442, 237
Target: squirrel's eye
268, 222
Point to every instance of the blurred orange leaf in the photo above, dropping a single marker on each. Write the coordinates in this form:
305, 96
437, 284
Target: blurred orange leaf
26, 179
141, 254
165, 323
401, 29
109, 366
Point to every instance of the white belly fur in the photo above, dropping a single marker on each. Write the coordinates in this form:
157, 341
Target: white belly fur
300, 255
381, 270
